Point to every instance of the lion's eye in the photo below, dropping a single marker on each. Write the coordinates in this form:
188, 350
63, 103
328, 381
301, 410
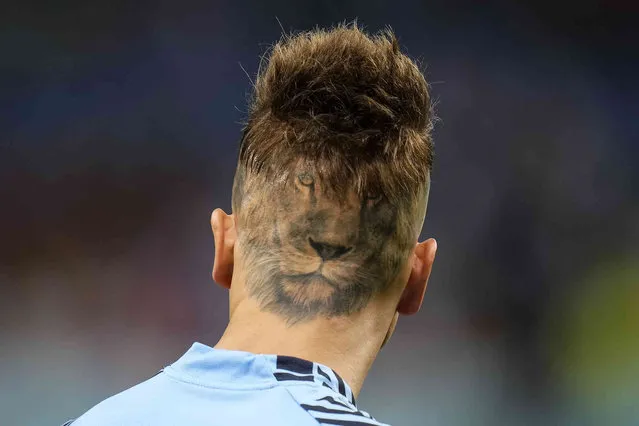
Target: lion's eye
306, 179
373, 199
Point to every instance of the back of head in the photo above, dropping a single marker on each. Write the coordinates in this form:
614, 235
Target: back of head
333, 172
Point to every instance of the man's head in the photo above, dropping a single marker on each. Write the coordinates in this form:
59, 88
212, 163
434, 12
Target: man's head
332, 180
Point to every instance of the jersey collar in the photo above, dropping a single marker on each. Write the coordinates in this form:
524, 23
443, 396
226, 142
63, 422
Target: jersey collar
211, 367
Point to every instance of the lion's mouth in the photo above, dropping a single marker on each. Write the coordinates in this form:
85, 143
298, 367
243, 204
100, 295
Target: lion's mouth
312, 277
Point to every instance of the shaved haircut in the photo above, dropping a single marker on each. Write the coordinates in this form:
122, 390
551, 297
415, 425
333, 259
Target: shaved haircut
333, 173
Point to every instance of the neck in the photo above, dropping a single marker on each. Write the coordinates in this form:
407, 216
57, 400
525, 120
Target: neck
348, 345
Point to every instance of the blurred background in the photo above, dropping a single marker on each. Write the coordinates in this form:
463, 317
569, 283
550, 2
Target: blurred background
119, 124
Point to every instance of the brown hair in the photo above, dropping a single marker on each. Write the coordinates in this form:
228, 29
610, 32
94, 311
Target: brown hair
351, 105
333, 171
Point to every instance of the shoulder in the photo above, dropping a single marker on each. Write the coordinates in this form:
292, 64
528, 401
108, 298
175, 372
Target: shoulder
117, 408
331, 409
167, 401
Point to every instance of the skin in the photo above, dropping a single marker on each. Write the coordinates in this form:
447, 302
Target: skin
317, 256
319, 278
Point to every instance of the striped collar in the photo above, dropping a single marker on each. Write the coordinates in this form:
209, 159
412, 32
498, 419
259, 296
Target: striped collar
211, 367
289, 368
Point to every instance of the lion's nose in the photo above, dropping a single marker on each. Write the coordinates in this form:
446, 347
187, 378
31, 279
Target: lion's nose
328, 251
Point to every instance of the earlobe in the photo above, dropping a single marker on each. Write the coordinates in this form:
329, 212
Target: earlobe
224, 233
422, 264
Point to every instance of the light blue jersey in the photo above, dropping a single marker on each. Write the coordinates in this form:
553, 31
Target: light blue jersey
214, 387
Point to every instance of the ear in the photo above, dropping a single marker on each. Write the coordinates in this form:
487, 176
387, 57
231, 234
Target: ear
224, 233
413, 295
